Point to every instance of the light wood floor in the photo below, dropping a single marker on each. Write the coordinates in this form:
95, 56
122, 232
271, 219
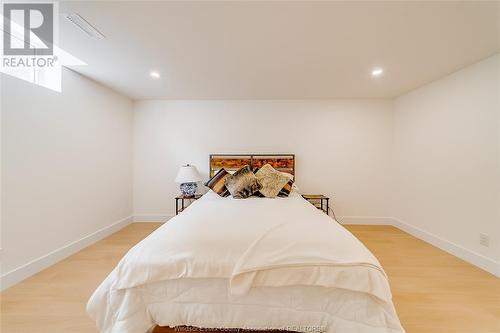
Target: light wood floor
433, 291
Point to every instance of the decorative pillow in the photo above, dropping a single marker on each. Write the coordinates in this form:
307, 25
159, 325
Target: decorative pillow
257, 194
285, 191
217, 183
243, 183
272, 181
286, 174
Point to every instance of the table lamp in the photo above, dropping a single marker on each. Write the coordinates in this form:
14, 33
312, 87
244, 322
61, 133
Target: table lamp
188, 176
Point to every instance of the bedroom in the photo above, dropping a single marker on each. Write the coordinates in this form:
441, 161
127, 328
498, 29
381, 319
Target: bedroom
384, 115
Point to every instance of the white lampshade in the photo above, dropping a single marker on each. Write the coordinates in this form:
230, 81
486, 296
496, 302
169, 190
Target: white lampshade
188, 174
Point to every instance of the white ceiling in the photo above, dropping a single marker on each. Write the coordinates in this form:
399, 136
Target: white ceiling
278, 50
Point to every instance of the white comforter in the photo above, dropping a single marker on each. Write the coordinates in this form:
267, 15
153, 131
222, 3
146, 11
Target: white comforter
255, 263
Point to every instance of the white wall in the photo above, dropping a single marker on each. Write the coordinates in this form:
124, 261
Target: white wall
66, 167
431, 159
342, 147
447, 161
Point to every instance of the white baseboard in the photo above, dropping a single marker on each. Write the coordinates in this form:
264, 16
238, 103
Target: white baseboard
370, 220
152, 218
471, 257
10, 278
17, 275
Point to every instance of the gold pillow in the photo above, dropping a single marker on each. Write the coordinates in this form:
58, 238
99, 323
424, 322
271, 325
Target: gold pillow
243, 183
272, 181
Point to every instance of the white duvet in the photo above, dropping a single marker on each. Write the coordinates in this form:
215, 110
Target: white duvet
252, 263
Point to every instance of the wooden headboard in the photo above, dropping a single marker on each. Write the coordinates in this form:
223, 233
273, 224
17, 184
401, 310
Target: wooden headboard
232, 162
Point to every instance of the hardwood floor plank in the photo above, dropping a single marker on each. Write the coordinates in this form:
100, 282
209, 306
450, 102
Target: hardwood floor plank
433, 291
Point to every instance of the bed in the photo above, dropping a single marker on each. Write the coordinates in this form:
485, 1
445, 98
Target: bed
255, 264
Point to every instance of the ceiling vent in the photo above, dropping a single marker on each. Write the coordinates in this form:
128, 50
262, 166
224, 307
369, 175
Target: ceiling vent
84, 25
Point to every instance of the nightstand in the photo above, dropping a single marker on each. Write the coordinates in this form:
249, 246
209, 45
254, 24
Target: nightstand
182, 200
319, 201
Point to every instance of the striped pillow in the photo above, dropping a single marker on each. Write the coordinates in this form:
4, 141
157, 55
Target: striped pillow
217, 183
285, 191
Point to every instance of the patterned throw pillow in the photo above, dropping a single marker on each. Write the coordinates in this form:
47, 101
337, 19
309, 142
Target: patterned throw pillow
217, 183
257, 194
243, 183
272, 181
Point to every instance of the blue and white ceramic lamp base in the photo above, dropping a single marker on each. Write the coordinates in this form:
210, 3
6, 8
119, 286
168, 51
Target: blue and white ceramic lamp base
188, 189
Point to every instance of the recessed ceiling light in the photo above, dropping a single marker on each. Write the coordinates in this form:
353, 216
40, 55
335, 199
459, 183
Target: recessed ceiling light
154, 75
377, 71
